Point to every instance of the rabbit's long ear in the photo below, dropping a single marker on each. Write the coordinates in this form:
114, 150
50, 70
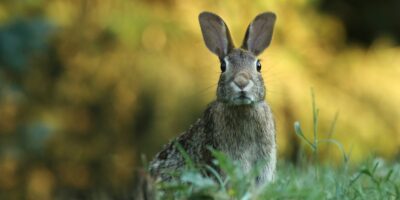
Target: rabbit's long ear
215, 34
259, 33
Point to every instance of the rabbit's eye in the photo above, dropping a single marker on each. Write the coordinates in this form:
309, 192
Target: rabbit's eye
258, 65
223, 66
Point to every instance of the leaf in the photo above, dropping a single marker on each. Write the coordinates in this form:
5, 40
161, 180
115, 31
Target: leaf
299, 132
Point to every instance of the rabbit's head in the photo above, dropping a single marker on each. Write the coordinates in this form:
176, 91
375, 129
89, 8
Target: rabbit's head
240, 81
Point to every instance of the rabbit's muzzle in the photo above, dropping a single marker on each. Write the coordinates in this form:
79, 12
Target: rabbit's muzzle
241, 86
242, 81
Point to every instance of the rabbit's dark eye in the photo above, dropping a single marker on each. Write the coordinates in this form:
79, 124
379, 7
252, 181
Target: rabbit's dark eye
258, 65
223, 65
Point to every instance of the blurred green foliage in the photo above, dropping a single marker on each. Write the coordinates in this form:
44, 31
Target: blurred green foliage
86, 87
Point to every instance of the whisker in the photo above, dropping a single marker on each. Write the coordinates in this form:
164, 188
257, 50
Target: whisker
207, 88
275, 92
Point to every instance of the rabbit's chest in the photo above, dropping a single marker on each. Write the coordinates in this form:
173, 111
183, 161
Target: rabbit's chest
246, 136
245, 144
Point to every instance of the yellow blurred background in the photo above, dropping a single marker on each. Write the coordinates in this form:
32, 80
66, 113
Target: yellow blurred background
87, 86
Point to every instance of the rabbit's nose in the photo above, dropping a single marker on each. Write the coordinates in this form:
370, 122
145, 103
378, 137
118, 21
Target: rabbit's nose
241, 80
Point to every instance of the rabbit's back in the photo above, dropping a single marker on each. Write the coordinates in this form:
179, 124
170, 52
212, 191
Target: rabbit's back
191, 143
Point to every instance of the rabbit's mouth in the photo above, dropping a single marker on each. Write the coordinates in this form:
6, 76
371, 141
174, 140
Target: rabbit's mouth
243, 99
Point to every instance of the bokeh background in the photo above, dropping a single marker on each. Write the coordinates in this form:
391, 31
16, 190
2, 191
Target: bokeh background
87, 87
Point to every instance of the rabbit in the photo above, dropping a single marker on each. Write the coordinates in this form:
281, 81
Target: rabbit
239, 122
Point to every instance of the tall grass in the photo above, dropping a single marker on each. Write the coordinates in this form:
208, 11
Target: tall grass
372, 179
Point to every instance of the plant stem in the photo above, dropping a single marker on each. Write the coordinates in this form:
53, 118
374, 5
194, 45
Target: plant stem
315, 126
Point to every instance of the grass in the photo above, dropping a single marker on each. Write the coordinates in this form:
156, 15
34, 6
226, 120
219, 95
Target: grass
372, 179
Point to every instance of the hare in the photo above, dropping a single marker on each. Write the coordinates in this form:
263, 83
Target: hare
239, 122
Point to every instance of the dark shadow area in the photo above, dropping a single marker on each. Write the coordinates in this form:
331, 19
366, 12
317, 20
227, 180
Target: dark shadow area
366, 20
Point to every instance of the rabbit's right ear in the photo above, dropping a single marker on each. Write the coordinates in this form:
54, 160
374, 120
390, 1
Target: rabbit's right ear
259, 33
215, 34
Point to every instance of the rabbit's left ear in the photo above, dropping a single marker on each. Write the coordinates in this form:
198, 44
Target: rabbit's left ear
259, 33
215, 34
